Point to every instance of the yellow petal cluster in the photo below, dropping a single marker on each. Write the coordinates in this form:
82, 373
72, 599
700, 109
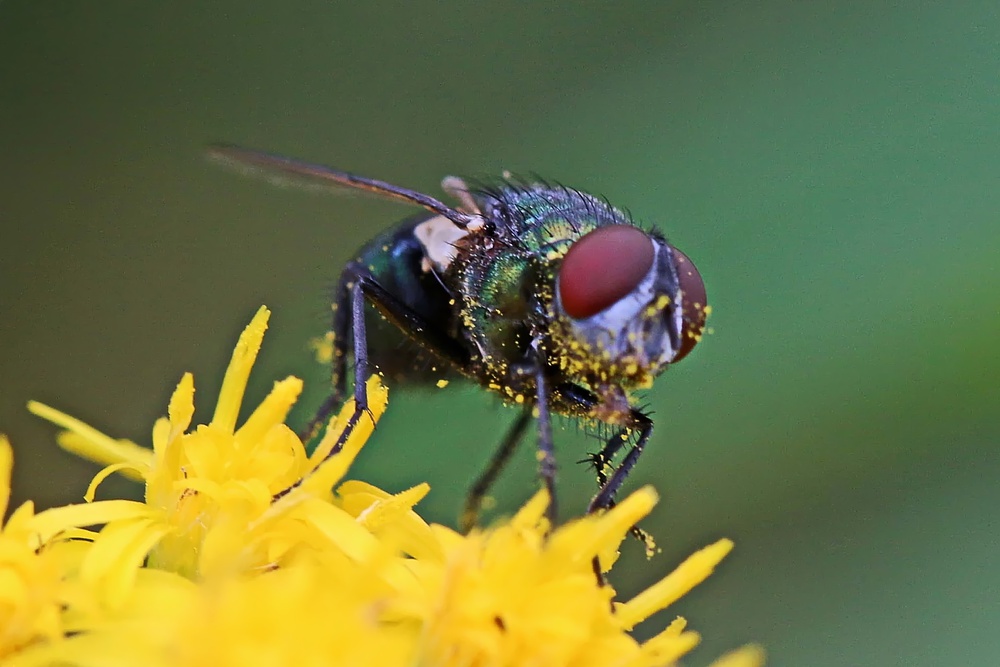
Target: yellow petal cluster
31, 587
241, 555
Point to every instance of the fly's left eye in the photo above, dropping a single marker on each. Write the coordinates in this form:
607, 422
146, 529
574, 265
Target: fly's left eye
695, 301
603, 267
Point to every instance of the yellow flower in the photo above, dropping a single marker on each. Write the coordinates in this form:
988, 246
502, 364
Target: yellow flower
520, 595
209, 491
212, 570
32, 591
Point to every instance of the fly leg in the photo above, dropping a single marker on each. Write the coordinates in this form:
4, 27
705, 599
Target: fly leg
605, 497
602, 460
358, 286
546, 448
521, 375
501, 456
574, 398
364, 287
340, 328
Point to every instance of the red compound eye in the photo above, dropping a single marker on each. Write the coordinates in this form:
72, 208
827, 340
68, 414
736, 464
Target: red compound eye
603, 267
695, 300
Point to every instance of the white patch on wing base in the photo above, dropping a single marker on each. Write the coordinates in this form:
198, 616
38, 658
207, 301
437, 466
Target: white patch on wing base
438, 236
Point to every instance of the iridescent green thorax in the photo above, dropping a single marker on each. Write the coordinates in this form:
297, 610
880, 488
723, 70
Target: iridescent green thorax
545, 220
507, 274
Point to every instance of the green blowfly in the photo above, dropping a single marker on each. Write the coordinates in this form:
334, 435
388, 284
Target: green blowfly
546, 295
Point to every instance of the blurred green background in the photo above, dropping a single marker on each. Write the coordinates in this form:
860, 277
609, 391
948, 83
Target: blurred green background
832, 167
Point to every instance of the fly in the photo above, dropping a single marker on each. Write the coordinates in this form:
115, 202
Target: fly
545, 295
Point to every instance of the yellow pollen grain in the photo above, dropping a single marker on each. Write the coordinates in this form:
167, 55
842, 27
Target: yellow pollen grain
323, 348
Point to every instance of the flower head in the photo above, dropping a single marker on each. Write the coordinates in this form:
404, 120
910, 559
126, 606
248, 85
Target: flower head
32, 591
221, 566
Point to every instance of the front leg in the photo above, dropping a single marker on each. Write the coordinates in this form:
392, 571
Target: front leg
605, 497
629, 421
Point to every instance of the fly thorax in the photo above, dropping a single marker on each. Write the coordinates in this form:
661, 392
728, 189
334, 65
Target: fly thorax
494, 283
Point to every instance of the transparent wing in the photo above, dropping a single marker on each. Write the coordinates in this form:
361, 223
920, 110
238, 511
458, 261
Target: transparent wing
285, 171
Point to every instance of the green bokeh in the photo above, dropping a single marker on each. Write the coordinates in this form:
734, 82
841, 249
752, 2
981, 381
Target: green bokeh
833, 168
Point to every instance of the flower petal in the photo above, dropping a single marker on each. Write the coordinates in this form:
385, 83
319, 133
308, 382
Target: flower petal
114, 560
180, 410
391, 517
234, 384
88, 442
6, 466
750, 655
694, 570
583, 539
272, 410
52, 521
378, 398
106, 472
665, 649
